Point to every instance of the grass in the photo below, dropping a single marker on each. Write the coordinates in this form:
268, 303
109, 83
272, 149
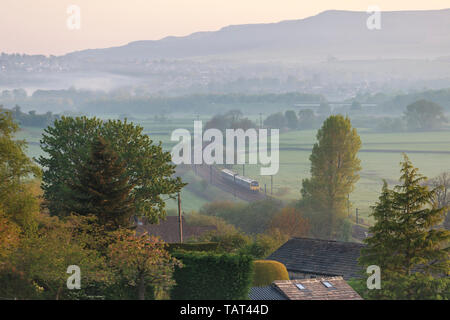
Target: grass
376, 166
381, 163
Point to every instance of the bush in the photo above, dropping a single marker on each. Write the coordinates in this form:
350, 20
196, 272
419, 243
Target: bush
210, 276
196, 246
251, 218
123, 290
264, 244
267, 271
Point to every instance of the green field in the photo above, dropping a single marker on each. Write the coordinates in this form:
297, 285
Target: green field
380, 157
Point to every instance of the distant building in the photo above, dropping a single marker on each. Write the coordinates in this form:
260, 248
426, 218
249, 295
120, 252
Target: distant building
169, 229
312, 258
330, 288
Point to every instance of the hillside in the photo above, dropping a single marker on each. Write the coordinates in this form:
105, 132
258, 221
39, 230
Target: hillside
404, 34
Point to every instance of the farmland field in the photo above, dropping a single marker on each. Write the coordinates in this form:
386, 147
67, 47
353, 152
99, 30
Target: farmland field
380, 156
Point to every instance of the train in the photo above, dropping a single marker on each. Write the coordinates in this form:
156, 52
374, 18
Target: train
244, 182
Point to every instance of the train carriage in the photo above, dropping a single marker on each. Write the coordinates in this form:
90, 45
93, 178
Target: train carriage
244, 182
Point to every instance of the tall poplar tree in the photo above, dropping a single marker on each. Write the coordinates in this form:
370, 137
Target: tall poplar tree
334, 168
405, 242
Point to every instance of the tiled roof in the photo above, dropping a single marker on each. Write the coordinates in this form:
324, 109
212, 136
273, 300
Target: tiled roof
168, 229
266, 293
321, 257
314, 289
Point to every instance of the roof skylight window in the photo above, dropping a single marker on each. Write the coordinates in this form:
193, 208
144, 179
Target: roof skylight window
300, 286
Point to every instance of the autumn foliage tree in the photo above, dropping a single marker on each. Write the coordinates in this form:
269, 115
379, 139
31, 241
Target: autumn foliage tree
42, 259
16, 200
9, 239
289, 221
142, 261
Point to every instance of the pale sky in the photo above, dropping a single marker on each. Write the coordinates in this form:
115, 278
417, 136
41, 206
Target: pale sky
40, 26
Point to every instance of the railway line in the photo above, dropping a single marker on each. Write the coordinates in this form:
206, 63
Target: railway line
213, 176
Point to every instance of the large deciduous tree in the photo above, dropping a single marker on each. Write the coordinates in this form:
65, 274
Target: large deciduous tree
334, 172
67, 145
15, 170
291, 119
442, 197
424, 115
406, 243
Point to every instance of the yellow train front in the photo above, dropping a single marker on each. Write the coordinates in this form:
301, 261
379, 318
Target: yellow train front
241, 181
254, 186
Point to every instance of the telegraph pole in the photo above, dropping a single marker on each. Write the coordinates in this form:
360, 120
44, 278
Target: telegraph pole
356, 215
243, 169
271, 185
180, 219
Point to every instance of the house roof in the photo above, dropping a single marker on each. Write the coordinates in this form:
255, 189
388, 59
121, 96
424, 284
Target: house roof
169, 229
315, 289
320, 257
266, 293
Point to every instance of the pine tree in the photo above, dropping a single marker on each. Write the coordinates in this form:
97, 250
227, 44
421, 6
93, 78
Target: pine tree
103, 188
406, 244
380, 243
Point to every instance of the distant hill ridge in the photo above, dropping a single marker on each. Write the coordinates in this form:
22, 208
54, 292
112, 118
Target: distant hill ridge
344, 34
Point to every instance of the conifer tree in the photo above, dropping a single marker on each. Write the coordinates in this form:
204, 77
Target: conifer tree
411, 251
382, 238
103, 189
67, 144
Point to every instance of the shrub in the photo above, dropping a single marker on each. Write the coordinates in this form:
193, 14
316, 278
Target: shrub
267, 271
264, 244
196, 246
211, 276
121, 289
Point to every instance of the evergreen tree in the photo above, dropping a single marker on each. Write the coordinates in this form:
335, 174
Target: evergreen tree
67, 146
406, 244
103, 189
382, 238
334, 167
